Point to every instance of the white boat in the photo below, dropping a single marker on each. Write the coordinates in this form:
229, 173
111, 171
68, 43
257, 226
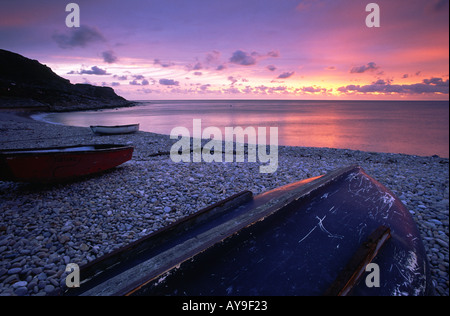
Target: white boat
114, 130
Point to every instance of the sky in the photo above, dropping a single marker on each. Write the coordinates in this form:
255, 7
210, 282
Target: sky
239, 49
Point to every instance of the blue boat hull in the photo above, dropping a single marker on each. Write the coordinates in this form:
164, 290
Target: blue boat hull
296, 240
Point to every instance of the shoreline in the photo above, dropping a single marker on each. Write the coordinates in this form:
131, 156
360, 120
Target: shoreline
42, 228
29, 115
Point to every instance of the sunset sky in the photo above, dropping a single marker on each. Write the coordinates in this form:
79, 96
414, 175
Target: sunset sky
239, 49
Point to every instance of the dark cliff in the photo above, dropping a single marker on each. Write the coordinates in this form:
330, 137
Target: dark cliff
26, 83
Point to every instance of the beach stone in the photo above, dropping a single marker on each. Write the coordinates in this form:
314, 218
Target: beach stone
66, 260
20, 284
14, 270
442, 243
36, 270
63, 239
435, 221
84, 247
42, 276
49, 289
21, 291
11, 279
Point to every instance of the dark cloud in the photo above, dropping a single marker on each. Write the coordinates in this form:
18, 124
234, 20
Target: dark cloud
380, 81
433, 85
369, 67
93, 71
242, 58
137, 83
78, 37
168, 82
271, 67
436, 82
109, 57
286, 75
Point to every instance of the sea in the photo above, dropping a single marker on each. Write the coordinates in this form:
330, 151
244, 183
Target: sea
408, 127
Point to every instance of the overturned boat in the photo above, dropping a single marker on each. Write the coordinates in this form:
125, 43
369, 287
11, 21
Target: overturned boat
115, 130
315, 237
60, 163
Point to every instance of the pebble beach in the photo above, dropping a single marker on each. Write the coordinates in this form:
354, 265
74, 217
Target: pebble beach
45, 227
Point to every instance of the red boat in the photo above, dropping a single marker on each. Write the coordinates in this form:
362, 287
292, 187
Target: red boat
60, 163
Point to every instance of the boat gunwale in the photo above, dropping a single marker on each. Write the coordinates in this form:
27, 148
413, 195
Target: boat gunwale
96, 148
115, 126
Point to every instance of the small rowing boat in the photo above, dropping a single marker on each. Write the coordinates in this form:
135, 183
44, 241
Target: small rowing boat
60, 163
115, 130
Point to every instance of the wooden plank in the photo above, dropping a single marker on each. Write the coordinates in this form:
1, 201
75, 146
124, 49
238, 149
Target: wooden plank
352, 272
98, 267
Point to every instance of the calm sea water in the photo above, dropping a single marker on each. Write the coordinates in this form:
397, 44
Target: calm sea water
417, 128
